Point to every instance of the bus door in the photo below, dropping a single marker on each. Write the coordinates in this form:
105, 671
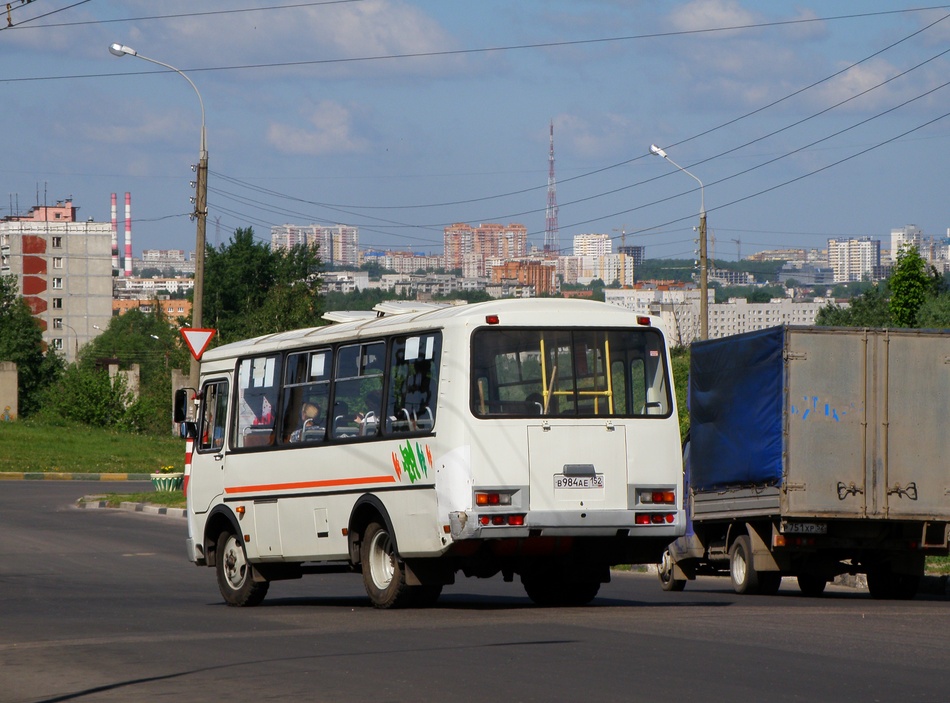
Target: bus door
578, 457
206, 481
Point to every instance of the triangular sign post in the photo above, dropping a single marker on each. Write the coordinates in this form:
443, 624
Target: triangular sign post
197, 340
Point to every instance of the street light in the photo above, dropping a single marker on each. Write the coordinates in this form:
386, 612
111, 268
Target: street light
703, 274
201, 201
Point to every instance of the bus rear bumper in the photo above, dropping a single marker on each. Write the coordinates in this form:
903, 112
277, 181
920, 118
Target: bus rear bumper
466, 525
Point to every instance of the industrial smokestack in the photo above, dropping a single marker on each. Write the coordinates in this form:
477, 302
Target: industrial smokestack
128, 235
115, 240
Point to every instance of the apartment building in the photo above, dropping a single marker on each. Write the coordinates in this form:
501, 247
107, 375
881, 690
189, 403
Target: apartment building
337, 245
468, 247
679, 307
854, 258
64, 272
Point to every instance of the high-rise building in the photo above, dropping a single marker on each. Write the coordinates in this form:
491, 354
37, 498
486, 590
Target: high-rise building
854, 258
637, 253
903, 237
468, 247
592, 245
337, 245
63, 270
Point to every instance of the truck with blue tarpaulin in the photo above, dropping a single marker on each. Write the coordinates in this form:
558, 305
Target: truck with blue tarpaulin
815, 452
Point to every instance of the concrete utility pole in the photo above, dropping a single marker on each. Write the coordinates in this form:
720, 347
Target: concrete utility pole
703, 269
201, 203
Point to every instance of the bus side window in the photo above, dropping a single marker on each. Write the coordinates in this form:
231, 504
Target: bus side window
413, 383
357, 390
214, 414
258, 380
306, 396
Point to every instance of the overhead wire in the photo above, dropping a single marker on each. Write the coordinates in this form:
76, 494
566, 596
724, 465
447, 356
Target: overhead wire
384, 222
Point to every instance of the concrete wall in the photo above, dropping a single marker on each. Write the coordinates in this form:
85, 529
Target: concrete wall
9, 397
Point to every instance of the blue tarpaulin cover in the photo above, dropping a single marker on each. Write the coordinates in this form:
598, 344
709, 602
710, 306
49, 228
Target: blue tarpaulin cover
735, 408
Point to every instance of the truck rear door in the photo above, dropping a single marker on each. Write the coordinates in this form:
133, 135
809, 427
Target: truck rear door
915, 481
828, 378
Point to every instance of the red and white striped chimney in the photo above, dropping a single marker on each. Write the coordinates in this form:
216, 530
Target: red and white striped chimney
128, 235
115, 240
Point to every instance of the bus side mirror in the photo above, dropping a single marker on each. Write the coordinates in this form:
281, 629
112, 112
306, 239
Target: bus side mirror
180, 410
189, 430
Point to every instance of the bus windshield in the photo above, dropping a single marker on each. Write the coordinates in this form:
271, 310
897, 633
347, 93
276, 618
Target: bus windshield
577, 372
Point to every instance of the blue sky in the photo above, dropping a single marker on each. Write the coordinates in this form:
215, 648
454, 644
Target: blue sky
804, 120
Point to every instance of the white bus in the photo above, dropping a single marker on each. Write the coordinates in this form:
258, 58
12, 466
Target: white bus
533, 437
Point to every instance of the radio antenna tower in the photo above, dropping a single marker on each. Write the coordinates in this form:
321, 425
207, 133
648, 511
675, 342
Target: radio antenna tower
551, 247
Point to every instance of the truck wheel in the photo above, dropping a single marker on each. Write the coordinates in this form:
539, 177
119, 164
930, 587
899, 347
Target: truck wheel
811, 585
664, 570
425, 596
769, 582
383, 575
235, 580
884, 584
745, 579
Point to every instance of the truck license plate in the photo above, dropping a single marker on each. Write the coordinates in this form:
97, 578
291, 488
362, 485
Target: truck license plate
562, 481
805, 528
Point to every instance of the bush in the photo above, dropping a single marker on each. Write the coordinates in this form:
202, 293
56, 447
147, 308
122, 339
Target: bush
89, 397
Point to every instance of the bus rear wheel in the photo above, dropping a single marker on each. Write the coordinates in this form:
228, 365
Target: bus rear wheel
384, 576
235, 578
549, 589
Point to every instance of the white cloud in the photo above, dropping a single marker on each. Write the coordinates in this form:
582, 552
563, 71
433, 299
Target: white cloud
591, 140
298, 34
330, 132
706, 14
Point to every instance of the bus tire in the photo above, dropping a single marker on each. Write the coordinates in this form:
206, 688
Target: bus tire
548, 589
384, 577
664, 571
235, 578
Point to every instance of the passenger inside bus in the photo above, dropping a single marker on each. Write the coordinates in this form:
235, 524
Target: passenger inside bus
310, 428
368, 420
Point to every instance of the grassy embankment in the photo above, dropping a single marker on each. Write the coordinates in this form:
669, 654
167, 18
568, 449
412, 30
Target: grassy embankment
62, 449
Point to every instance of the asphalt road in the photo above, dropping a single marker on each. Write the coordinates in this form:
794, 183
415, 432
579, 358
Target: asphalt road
101, 605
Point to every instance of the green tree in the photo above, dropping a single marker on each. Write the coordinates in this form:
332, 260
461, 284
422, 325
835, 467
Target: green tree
250, 289
21, 341
88, 395
870, 309
910, 285
935, 312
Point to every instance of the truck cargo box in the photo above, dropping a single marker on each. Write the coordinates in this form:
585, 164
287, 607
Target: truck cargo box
830, 422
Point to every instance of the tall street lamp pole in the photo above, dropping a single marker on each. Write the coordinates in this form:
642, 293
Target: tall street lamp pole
703, 272
201, 202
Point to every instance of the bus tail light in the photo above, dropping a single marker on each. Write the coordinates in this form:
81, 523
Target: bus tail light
654, 497
516, 520
492, 498
655, 518
643, 320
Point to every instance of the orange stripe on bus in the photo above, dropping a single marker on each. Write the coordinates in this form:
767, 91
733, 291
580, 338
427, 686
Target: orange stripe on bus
328, 483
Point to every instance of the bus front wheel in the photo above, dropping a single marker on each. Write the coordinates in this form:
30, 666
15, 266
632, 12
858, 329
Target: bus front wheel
384, 576
235, 578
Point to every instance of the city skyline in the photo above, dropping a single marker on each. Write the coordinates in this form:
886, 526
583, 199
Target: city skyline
403, 117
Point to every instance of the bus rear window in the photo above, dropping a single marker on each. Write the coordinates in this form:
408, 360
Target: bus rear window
569, 373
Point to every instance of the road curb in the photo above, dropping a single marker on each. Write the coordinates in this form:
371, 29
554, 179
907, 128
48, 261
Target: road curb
90, 503
69, 476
